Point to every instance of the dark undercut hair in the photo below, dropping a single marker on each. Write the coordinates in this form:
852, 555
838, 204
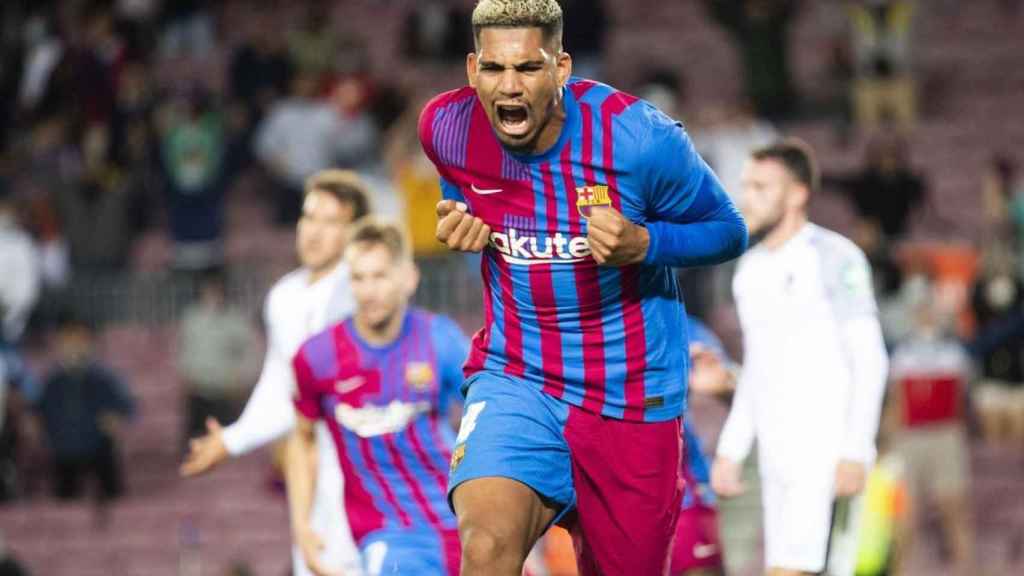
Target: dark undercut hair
798, 159
543, 14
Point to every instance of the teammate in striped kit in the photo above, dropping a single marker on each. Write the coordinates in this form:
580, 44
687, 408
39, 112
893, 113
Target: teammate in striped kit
386, 382
581, 198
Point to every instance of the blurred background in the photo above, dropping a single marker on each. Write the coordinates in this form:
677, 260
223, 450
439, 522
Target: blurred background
151, 160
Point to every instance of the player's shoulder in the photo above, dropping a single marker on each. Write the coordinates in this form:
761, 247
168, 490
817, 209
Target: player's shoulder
832, 246
320, 351
445, 109
638, 125
286, 289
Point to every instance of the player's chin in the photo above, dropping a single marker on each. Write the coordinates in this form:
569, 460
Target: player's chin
515, 141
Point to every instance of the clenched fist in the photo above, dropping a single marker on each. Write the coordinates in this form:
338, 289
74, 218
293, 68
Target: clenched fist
614, 240
460, 230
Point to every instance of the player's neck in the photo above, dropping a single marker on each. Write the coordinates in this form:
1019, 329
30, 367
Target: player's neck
317, 274
383, 334
786, 230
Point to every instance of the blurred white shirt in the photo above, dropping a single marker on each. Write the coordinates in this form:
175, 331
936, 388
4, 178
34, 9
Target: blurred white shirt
814, 368
295, 310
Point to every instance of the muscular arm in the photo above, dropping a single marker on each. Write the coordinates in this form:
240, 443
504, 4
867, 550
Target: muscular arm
691, 220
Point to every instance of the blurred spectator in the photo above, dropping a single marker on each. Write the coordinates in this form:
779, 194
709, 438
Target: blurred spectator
415, 179
188, 29
726, 138
98, 211
998, 303
761, 30
93, 64
19, 289
260, 70
313, 45
1002, 196
131, 138
216, 344
303, 134
193, 155
43, 51
883, 88
585, 35
930, 372
83, 406
438, 31
667, 91
886, 193
20, 281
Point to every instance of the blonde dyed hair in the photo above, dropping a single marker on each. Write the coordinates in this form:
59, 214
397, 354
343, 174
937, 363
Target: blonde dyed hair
543, 14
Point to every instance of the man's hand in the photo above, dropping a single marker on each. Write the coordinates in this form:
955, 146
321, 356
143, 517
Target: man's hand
205, 452
850, 478
460, 230
312, 546
726, 478
614, 240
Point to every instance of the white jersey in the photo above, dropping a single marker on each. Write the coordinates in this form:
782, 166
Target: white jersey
294, 311
814, 367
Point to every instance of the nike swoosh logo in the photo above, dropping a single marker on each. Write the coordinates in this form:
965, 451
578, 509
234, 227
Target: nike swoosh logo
349, 384
484, 191
701, 551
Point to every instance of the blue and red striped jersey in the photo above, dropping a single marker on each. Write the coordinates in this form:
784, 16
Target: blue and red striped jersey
610, 340
387, 411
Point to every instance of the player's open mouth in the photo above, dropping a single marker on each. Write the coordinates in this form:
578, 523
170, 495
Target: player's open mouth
513, 119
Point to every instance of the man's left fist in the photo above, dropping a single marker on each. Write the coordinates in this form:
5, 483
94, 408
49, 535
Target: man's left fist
614, 240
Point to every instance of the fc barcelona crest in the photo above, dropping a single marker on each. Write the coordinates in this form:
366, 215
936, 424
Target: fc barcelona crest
419, 376
589, 196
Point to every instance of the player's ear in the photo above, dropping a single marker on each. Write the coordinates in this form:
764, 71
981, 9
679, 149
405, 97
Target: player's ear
563, 61
411, 273
471, 68
799, 196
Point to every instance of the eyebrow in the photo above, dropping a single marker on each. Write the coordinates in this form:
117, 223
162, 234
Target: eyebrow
527, 64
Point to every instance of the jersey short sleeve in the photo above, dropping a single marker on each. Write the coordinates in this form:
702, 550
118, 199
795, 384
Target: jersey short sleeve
452, 349
307, 394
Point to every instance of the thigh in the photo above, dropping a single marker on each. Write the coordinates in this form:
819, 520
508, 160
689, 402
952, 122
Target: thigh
511, 437
628, 491
797, 520
947, 451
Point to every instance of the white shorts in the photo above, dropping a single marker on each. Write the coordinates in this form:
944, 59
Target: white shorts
797, 518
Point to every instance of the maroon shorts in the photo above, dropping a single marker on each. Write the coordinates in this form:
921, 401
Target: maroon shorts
628, 493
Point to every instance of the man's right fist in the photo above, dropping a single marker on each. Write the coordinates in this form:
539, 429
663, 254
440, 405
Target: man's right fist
460, 230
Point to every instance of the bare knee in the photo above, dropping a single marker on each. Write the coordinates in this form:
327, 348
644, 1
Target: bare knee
488, 550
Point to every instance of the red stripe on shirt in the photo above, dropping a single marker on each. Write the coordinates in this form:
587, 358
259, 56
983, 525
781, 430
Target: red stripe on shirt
632, 311
371, 465
363, 515
417, 491
421, 454
588, 288
542, 286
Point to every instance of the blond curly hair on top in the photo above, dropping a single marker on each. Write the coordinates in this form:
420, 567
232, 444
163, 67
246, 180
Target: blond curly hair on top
543, 14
